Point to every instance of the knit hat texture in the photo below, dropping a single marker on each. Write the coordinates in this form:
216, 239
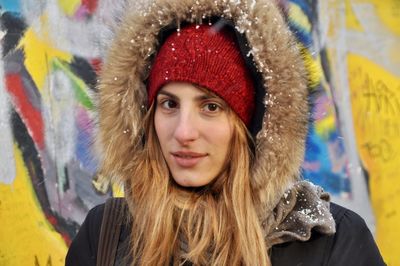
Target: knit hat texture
209, 57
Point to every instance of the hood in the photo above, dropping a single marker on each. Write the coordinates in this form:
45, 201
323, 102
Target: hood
279, 144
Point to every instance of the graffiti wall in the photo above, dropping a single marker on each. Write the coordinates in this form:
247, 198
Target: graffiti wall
51, 52
363, 38
48, 69
353, 55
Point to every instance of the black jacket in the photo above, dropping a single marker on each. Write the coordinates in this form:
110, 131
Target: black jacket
352, 244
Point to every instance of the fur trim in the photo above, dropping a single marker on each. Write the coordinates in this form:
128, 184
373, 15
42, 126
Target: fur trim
279, 144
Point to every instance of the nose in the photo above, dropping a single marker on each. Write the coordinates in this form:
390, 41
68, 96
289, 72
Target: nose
186, 130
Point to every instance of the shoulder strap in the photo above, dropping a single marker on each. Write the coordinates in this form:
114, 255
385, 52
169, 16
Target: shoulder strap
110, 231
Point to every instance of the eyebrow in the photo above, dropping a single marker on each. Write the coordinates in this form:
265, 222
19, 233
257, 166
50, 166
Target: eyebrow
167, 94
205, 96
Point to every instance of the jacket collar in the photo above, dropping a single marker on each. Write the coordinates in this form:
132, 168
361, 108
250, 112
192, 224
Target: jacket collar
303, 207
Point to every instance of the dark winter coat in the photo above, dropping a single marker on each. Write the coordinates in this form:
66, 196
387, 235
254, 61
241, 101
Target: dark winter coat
351, 245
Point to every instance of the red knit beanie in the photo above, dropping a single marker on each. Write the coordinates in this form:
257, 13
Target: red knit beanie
209, 58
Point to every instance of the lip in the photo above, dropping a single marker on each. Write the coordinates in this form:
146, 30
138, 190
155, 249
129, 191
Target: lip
187, 159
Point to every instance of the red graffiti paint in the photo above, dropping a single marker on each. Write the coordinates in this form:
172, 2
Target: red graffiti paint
96, 64
91, 5
29, 113
67, 239
54, 221
51, 219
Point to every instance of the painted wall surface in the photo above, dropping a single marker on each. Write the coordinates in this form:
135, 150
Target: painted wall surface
47, 169
50, 55
363, 38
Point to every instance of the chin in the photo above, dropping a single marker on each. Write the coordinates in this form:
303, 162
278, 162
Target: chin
188, 182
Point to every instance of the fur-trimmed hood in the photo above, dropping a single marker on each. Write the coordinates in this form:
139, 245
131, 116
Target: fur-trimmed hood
280, 142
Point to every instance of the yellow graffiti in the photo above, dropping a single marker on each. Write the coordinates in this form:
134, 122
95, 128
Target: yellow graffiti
325, 126
69, 6
313, 66
27, 238
39, 52
375, 99
388, 12
103, 184
117, 190
299, 16
352, 22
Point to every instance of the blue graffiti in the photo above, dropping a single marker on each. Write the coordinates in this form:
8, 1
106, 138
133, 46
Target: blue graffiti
10, 6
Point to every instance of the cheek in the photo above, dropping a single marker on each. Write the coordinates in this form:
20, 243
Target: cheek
157, 123
160, 129
220, 136
164, 131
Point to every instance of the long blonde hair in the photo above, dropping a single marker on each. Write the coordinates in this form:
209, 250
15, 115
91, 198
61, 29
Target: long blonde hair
213, 225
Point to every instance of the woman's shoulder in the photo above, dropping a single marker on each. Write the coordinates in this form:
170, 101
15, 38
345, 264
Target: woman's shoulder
345, 216
353, 240
347, 221
352, 244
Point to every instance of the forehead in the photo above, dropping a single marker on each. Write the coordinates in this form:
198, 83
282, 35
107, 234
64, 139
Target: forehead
181, 88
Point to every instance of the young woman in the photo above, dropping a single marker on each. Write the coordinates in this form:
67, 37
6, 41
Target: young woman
203, 117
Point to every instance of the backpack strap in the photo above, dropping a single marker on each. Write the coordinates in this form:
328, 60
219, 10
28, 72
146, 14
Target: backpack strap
114, 213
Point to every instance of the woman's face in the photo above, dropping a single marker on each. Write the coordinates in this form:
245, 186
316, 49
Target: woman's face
194, 132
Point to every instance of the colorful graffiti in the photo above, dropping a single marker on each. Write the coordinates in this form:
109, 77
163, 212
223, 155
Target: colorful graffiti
52, 49
50, 55
326, 159
331, 160
363, 38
